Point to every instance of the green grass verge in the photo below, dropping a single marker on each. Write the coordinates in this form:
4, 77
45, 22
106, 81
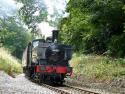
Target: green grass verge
97, 67
8, 63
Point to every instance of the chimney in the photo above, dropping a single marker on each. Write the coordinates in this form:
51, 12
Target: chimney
55, 35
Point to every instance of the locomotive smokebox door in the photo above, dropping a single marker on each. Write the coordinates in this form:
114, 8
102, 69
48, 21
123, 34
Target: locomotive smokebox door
55, 35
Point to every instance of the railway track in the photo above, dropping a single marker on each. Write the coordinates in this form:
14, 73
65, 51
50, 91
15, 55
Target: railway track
66, 89
56, 89
82, 91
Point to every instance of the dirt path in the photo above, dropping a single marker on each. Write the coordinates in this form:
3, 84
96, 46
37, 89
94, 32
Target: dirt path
20, 85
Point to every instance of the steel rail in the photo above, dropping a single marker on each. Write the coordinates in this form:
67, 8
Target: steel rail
83, 91
63, 91
56, 89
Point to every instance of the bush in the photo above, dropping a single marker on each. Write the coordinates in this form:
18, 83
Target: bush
96, 42
8, 63
97, 68
116, 46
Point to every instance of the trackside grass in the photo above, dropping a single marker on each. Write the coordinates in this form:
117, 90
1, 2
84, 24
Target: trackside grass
98, 68
8, 63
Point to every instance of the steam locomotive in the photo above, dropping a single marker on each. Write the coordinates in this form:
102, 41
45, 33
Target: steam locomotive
47, 60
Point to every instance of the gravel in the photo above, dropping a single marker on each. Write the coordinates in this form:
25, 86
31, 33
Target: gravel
20, 85
116, 86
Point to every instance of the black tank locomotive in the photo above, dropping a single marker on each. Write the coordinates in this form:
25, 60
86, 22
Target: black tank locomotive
47, 60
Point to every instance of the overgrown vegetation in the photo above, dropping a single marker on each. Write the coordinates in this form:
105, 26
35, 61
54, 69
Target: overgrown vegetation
95, 26
8, 63
33, 12
97, 67
14, 36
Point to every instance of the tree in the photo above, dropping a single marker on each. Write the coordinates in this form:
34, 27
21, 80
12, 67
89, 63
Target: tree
32, 12
92, 24
14, 36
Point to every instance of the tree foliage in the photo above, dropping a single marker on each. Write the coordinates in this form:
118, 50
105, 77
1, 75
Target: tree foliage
33, 12
13, 36
92, 25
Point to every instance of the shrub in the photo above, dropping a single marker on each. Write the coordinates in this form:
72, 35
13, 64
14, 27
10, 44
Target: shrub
97, 67
8, 63
116, 46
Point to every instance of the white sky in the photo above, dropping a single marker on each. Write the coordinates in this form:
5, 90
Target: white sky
59, 4
8, 7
